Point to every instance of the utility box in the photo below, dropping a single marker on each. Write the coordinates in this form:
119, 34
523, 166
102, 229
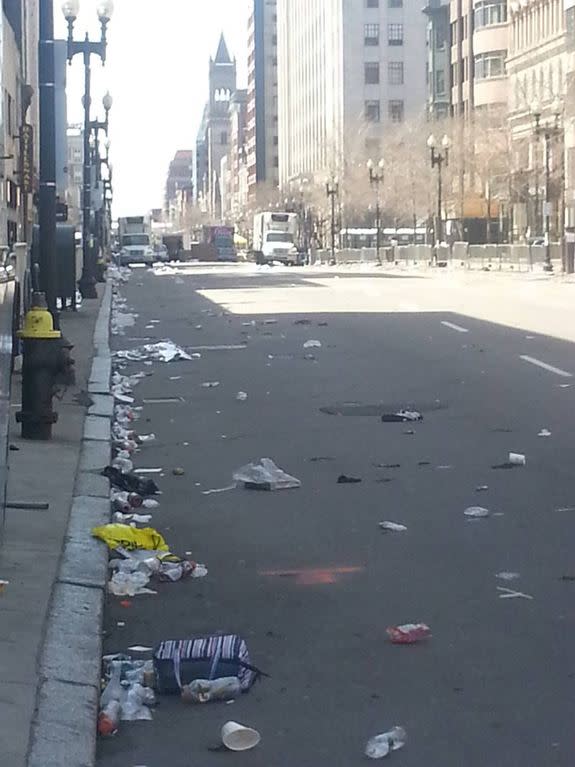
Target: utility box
66, 260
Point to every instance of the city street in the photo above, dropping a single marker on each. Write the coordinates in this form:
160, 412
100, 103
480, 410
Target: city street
307, 576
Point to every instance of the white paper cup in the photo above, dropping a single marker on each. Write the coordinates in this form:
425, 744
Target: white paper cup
517, 459
236, 737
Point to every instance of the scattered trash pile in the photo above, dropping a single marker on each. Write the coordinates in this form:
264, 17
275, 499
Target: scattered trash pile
121, 317
162, 351
204, 669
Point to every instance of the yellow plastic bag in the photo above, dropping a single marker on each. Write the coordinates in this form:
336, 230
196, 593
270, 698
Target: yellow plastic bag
130, 538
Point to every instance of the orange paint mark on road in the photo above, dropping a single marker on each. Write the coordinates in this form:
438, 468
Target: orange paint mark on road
313, 576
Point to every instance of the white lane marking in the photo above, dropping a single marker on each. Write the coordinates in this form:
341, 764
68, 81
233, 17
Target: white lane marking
545, 366
223, 347
454, 327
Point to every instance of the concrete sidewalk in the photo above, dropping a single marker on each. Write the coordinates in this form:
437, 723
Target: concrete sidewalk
45, 592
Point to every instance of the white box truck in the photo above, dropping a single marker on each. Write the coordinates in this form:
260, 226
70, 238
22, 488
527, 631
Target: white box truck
135, 240
275, 236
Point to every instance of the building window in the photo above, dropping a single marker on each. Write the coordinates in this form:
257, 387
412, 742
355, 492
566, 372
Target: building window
371, 72
395, 73
276, 162
372, 3
371, 34
489, 65
439, 82
488, 12
223, 137
396, 111
372, 111
395, 34
395, 3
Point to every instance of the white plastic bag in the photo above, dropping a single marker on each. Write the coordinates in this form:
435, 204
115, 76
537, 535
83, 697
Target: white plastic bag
264, 475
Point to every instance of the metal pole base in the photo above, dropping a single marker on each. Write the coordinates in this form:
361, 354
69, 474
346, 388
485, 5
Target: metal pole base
548, 268
36, 428
87, 287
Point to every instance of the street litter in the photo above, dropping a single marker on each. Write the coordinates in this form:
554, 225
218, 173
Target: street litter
127, 696
302, 322
381, 745
115, 536
544, 433
343, 479
3, 585
481, 488
387, 465
126, 519
507, 576
477, 512
402, 416
320, 458
154, 470
270, 322
517, 459
210, 384
163, 351
178, 471
237, 737
143, 438
510, 594
264, 475
241, 396
206, 690
130, 481
123, 584
312, 344
408, 633
135, 569
219, 490
124, 398
392, 527
445, 467
180, 662
140, 648
566, 508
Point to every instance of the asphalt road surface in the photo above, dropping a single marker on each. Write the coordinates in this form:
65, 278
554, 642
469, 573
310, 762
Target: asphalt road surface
306, 576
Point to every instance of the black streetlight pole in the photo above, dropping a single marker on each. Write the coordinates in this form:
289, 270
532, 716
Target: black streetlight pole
47, 193
439, 158
376, 177
550, 130
87, 48
332, 191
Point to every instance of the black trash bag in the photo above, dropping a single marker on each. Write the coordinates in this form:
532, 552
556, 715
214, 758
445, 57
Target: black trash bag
343, 479
130, 482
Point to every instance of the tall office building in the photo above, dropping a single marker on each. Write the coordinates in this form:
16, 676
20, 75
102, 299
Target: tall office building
262, 97
479, 43
438, 59
347, 71
538, 69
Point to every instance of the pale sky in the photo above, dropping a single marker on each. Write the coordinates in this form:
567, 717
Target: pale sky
157, 73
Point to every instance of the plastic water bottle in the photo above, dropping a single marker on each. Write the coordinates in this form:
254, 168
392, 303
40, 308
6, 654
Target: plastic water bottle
204, 690
381, 745
109, 718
